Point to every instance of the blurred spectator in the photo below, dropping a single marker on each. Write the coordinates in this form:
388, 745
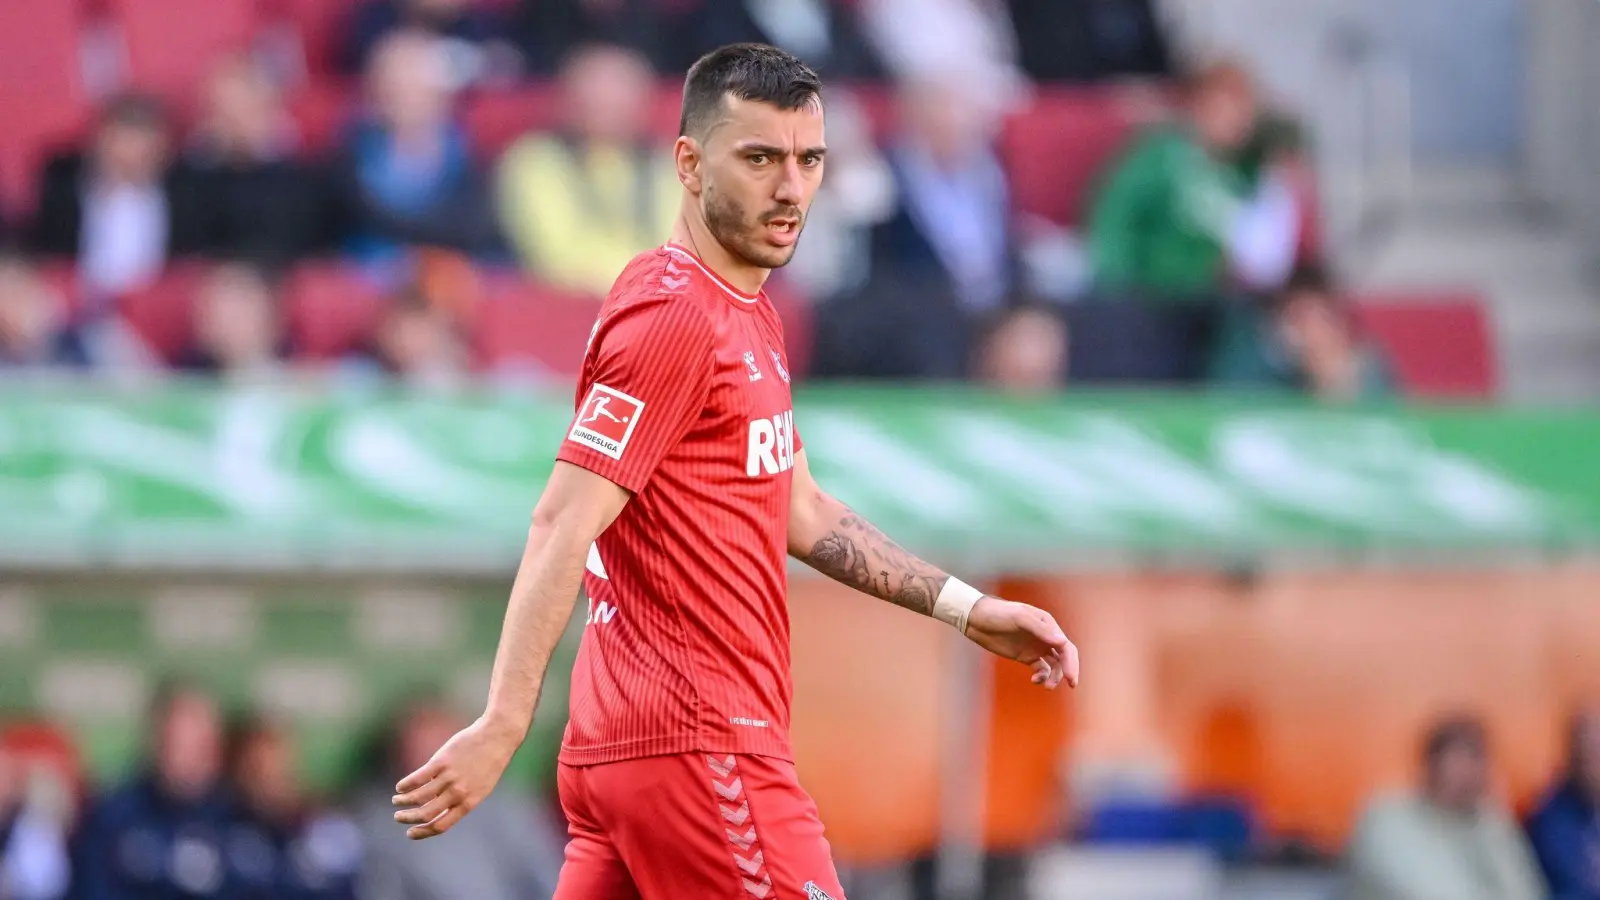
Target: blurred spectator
122, 208
418, 343
34, 864
954, 215
34, 331
162, 834
279, 848
262, 201
1191, 201
1306, 340
238, 325
1565, 827
476, 42
824, 33
1451, 840
505, 850
964, 41
1025, 352
1089, 40
408, 176
578, 204
551, 28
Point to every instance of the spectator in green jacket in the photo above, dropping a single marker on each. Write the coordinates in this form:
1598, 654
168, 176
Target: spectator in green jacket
1306, 340
1196, 201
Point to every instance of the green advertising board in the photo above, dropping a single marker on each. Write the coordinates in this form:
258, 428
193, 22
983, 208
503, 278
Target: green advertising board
308, 480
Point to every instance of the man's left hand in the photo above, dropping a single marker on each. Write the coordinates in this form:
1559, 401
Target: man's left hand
1026, 634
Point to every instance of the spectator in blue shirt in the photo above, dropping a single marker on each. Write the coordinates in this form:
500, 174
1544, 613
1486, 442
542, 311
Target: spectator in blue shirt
161, 836
280, 847
1565, 828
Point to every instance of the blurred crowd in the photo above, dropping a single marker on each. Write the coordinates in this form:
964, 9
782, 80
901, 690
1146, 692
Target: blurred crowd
215, 807
1193, 259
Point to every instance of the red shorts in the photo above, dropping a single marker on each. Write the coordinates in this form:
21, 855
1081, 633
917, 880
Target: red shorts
693, 825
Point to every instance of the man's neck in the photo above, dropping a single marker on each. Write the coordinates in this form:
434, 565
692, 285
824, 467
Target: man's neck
692, 232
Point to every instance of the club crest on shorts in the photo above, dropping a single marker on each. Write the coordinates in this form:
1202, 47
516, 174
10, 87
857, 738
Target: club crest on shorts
606, 420
815, 893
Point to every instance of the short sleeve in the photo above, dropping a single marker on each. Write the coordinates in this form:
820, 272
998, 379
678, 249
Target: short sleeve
645, 385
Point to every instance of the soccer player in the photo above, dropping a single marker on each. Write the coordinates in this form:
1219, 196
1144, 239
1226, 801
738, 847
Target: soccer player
676, 496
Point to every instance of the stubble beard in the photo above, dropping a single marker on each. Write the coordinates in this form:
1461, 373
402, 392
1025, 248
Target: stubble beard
741, 234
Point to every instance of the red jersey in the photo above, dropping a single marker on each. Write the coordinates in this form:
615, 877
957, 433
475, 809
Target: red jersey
684, 401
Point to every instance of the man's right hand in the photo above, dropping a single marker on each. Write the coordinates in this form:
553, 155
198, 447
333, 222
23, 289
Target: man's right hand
459, 776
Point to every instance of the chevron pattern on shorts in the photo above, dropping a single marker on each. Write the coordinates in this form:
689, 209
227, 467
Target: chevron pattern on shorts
736, 824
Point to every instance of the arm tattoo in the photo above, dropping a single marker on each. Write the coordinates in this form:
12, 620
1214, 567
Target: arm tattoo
856, 553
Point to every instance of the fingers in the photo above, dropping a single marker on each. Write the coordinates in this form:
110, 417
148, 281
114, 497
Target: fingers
1042, 671
422, 793
420, 777
440, 826
1044, 627
429, 811
1069, 664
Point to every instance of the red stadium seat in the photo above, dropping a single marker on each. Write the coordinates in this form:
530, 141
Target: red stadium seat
524, 326
495, 119
321, 111
172, 45
1441, 343
41, 90
1056, 149
332, 308
162, 312
320, 26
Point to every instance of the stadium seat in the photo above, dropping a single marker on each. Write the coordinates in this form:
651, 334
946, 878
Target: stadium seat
1057, 148
319, 25
172, 45
1440, 343
41, 90
321, 111
332, 308
495, 119
162, 311
524, 327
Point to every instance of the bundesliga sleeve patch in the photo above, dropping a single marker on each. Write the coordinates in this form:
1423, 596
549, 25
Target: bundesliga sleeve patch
606, 420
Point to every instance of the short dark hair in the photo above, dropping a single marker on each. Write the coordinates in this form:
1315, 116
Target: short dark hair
757, 72
1458, 731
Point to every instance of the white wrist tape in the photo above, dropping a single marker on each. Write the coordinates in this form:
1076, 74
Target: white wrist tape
955, 603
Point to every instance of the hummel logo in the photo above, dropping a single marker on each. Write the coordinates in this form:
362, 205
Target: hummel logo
750, 360
815, 893
730, 791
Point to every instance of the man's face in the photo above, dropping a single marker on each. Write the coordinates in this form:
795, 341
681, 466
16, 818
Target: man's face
1460, 777
759, 170
190, 750
132, 153
1225, 117
607, 91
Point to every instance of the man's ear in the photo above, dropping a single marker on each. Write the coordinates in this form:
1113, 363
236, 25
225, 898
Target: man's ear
688, 156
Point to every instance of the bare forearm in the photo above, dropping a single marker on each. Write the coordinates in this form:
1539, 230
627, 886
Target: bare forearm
542, 599
847, 548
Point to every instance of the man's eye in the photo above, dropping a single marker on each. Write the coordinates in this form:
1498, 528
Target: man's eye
812, 160
759, 159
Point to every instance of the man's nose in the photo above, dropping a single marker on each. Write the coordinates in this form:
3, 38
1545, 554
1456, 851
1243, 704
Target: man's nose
791, 186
